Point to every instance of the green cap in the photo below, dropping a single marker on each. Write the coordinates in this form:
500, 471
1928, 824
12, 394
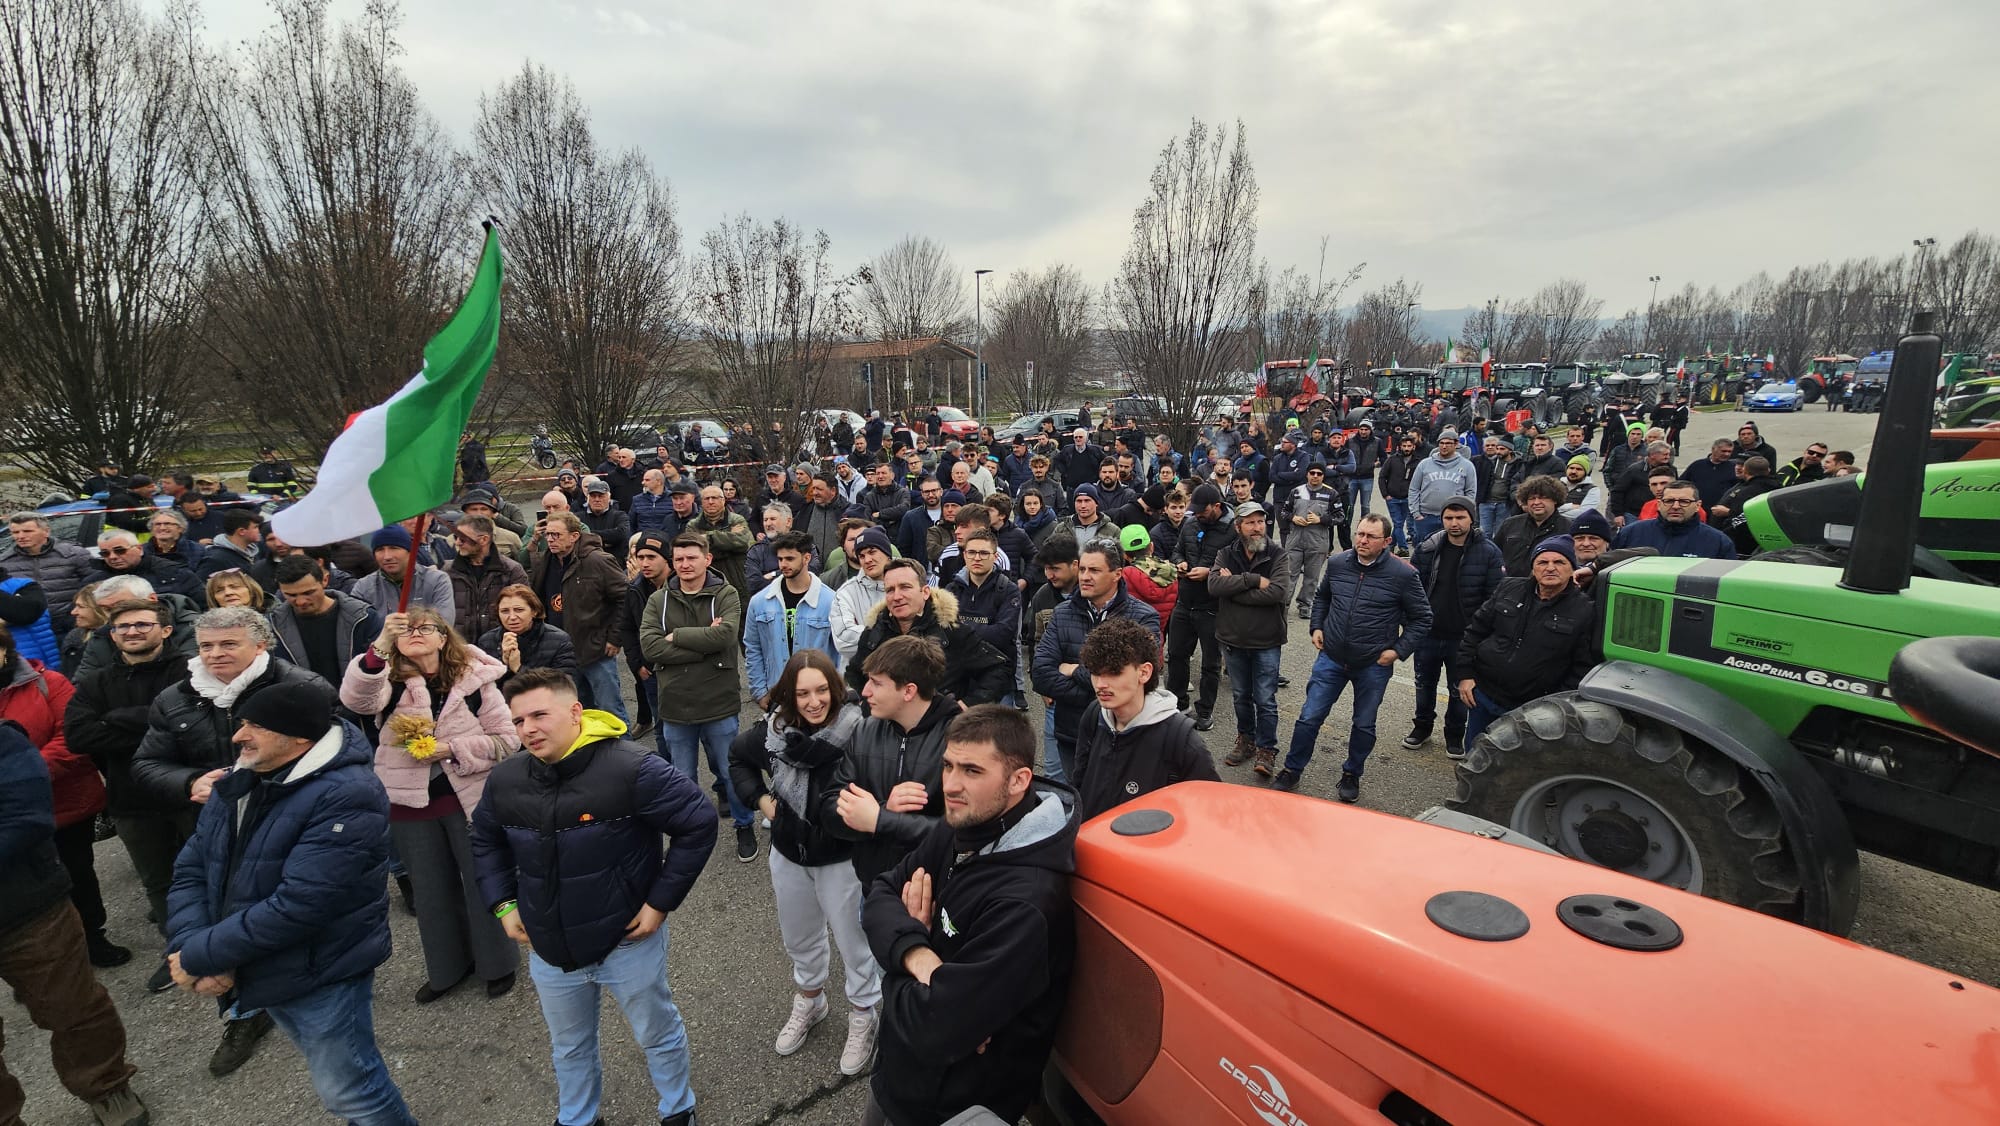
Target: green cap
1134, 538
1639, 426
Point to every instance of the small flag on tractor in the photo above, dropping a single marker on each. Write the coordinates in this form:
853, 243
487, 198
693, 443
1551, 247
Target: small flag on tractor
1309, 387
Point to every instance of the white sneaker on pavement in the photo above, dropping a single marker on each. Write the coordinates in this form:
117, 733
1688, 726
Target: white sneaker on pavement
806, 1012
859, 1054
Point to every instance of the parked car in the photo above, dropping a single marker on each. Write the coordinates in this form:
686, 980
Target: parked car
956, 423
1030, 424
1775, 397
714, 435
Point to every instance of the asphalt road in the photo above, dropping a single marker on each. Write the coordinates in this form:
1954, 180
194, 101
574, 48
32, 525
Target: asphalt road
465, 1059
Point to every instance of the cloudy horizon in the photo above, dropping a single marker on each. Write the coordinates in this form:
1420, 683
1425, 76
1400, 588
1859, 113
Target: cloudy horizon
1480, 150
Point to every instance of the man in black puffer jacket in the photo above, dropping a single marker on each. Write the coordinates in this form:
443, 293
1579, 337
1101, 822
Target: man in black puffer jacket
593, 909
1199, 541
885, 794
1369, 613
976, 934
1100, 596
1459, 569
1533, 637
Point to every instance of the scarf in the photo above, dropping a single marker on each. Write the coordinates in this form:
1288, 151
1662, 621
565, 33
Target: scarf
793, 757
223, 695
1038, 521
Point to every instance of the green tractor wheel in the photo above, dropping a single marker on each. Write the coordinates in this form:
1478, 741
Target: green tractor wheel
1631, 794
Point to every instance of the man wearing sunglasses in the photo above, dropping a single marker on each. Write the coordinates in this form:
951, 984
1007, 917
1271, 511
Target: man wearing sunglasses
1677, 530
1811, 466
119, 553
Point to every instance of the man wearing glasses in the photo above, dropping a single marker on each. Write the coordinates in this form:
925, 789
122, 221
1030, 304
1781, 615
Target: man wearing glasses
478, 575
1809, 467
119, 553
1678, 530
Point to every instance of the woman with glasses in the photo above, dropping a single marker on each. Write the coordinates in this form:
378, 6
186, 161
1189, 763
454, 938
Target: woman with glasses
443, 725
234, 588
525, 639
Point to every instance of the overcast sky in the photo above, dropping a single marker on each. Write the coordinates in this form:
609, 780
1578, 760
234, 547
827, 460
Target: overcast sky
1479, 148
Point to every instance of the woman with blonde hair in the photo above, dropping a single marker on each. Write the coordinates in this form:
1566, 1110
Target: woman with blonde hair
234, 588
443, 725
782, 765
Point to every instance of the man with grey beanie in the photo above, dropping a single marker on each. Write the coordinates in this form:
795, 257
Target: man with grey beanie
1438, 478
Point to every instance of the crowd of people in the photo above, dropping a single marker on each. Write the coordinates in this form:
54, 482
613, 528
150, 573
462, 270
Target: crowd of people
277, 735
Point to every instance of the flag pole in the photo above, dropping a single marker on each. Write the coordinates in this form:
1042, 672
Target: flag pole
410, 572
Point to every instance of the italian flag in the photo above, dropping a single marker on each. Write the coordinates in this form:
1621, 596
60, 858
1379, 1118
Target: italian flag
1486, 362
1310, 386
1450, 350
1682, 367
396, 460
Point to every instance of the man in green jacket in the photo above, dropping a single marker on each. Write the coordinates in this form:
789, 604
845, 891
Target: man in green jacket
728, 537
689, 635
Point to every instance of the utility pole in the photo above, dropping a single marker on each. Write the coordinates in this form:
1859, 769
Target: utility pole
1650, 302
979, 339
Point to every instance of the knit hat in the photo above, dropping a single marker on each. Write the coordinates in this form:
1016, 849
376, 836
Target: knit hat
1458, 502
1639, 426
655, 542
1088, 489
1155, 496
300, 709
1580, 459
1559, 545
1134, 538
1291, 424
1290, 437
875, 538
1589, 522
1450, 434
395, 535
1204, 495
566, 473
952, 496
1367, 424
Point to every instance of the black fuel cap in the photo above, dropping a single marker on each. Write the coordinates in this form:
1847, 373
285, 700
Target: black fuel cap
1622, 923
1477, 915
1141, 822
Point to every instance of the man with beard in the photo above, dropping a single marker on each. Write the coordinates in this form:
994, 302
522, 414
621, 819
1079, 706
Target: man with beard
1579, 491
977, 954
1251, 585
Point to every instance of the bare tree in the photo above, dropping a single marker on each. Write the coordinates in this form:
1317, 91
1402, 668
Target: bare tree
913, 289
343, 234
100, 231
1043, 318
1963, 286
1299, 316
1384, 328
1621, 336
1183, 299
594, 265
1566, 320
769, 307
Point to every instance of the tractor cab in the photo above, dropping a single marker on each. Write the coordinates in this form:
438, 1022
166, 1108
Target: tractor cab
1402, 385
1827, 377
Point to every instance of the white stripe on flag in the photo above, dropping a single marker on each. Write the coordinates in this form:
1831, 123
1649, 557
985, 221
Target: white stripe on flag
340, 505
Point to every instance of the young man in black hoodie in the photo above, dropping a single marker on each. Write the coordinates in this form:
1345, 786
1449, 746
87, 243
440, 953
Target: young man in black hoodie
1133, 740
974, 929
884, 795
1193, 620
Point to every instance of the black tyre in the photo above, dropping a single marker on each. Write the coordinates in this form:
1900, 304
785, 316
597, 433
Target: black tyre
1580, 407
1811, 390
546, 459
1649, 396
1635, 795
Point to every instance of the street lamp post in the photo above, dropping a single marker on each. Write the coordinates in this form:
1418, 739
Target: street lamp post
1650, 302
979, 339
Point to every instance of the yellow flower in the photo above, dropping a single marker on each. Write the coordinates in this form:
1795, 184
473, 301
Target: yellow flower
422, 747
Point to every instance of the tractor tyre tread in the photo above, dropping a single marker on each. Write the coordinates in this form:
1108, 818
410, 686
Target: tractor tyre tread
1732, 824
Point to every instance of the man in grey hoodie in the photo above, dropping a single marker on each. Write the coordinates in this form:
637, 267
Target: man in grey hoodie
858, 595
1438, 478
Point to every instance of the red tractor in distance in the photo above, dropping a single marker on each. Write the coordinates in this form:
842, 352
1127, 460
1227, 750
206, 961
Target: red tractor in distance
1828, 377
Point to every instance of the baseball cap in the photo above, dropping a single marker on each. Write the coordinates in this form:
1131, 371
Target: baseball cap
596, 485
1134, 538
1248, 508
1204, 495
774, 469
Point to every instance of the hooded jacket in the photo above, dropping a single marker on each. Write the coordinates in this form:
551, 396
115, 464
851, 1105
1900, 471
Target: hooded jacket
188, 733
475, 590
1480, 570
477, 740
1439, 479
729, 542
699, 672
980, 1033
1248, 616
798, 765
1197, 545
1151, 580
576, 843
432, 589
765, 646
356, 627
542, 646
593, 594
878, 755
1157, 749
106, 719
973, 670
36, 699
60, 569
1518, 534
993, 610
1519, 647
1062, 644
285, 882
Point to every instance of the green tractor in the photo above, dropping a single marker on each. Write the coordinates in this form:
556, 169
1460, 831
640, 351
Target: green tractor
1973, 399
1741, 738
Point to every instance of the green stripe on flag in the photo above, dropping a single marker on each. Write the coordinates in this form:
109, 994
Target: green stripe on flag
424, 425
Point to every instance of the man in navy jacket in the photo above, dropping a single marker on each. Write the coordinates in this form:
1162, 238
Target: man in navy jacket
593, 910
279, 901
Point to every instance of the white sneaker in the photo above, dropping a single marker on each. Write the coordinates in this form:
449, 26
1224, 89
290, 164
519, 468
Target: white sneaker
859, 1054
806, 1012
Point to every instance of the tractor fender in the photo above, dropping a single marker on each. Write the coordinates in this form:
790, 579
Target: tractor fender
1815, 828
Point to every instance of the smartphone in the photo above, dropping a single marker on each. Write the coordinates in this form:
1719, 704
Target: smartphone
541, 514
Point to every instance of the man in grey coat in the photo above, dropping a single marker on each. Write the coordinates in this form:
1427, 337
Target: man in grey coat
1316, 509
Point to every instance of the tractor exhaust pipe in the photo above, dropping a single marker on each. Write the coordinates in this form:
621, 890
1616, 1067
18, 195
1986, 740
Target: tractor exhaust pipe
1885, 534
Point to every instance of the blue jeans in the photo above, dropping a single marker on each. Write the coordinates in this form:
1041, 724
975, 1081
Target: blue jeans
1052, 764
1329, 678
1360, 494
1482, 713
1424, 527
681, 743
1399, 520
1431, 656
1253, 684
597, 684
334, 1027
1491, 513
636, 975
